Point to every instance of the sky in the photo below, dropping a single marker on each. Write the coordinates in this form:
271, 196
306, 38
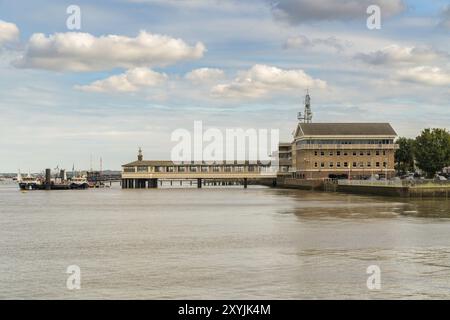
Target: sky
137, 70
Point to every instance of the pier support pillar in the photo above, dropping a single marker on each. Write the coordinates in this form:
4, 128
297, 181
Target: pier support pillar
199, 183
245, 183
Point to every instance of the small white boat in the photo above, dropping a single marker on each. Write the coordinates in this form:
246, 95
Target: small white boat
79, 183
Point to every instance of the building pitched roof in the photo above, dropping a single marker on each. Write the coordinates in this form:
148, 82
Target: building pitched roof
346, 129
149, 163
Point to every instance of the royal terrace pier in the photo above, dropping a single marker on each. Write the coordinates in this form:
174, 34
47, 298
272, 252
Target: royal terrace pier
143, 174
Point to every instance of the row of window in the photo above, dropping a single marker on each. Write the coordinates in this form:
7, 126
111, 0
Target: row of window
195, 169
345, 165
359, 141
346, 153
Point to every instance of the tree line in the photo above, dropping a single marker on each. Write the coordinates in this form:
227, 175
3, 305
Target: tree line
430, 152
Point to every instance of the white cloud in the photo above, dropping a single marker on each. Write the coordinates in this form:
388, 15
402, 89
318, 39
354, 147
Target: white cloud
130, 81
74, 51
299, 11
204, 75
8, 32
432, 76
263, 80
395, 54
303, 42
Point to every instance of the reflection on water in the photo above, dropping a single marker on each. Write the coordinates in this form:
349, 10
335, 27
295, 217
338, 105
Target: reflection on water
221, 243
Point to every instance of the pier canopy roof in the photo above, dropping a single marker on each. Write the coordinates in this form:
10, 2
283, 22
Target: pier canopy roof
345, 129
168, 163
149, 163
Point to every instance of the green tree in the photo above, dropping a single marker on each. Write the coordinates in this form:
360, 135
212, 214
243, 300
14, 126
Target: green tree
432, 150
404, 155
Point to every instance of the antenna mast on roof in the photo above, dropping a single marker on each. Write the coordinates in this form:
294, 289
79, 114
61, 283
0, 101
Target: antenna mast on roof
307, 114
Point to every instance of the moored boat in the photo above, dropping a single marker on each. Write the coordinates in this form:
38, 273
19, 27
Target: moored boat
28, 182
79, 183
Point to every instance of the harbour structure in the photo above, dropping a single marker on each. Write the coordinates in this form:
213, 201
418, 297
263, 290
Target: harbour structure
338, 150
318, 151
344, 150
142, 174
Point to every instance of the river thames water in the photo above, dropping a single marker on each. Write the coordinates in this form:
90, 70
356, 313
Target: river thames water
221, 243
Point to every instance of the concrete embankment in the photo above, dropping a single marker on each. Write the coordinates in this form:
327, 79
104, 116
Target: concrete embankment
422, 190
300, 184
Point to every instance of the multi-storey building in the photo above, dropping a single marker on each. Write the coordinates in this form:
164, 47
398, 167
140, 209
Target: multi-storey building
343, 150
284, 157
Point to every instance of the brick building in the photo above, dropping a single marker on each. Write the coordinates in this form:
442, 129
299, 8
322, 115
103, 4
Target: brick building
342, 150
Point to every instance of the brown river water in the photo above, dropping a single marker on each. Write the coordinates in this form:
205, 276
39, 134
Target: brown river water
221, 243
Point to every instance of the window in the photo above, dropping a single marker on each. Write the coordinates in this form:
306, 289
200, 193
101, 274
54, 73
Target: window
338, 164
354, 165
368, 153
227, 169
142, 169
316, 164
361, 153
345, 153
346, 164
354, 153
216, 169
193, 169
338, 153
322, 165
239, 169
251, 168
204, 169
384, 152
377, 153
377, 164
181, 169
385, 164
316, 153
322, 153
169, 169
158, 169
129, 169
331, 164
361, 164
331, 153
369, 164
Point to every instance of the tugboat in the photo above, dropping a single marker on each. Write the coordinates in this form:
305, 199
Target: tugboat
79, 183
28, 183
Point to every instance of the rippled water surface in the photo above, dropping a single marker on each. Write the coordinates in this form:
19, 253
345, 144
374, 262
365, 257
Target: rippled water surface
224, 243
